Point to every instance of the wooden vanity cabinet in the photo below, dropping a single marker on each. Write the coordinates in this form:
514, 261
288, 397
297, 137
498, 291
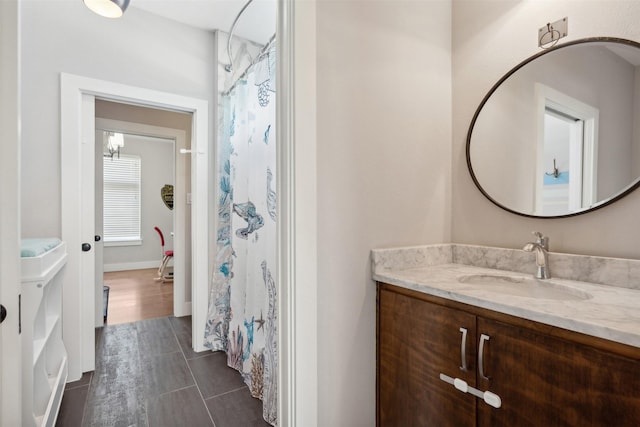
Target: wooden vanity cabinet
545, 376
414, 346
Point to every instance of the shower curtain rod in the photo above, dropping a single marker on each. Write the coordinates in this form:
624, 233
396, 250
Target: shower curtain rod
229, 66
263, 52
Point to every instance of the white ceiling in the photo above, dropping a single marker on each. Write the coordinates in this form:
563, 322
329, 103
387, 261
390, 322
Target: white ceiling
257, 23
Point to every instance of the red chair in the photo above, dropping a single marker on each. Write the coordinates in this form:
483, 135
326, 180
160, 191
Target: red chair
166, 257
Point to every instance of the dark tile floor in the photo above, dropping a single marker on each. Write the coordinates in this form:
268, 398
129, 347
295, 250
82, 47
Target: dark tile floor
148, 375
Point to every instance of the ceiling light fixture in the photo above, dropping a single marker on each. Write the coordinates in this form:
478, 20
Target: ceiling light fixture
107, 8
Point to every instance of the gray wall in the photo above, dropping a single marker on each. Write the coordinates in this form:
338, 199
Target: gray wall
141, 49
156, 170
489, 37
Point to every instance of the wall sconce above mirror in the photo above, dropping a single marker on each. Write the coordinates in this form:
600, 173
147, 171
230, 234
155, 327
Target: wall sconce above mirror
572, 106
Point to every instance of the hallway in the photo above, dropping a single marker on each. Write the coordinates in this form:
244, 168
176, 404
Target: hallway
148, 375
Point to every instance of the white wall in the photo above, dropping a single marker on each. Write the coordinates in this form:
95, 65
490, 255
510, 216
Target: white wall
383, 173
141, 49
489, 37
156, 170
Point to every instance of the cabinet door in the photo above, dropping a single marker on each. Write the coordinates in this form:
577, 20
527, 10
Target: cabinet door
546, 381
417, 341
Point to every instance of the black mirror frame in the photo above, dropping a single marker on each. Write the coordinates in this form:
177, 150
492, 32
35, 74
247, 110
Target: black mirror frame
597, 206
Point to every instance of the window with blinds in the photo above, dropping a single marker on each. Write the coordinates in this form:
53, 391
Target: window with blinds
121, 196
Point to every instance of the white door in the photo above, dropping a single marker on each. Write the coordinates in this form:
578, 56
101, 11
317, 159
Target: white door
87, 223
10, 344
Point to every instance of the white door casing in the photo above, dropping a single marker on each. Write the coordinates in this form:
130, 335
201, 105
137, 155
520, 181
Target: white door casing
77, 131
297, 276
10, 343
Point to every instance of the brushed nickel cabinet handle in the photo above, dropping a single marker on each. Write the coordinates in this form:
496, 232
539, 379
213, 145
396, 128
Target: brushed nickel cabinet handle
483, 339
463, 350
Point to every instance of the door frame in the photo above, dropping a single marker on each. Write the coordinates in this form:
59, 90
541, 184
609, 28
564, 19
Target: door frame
10, 341
297, 274
77, 129
546, 96
181, 307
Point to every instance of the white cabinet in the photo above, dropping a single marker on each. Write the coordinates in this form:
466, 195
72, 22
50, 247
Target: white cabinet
44, 357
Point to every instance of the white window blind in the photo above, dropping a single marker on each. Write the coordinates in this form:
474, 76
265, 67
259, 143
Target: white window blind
121, 196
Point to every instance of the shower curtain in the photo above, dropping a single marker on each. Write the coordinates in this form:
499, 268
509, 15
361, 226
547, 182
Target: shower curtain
242, 304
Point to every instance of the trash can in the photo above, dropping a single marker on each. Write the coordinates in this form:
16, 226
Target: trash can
105, 301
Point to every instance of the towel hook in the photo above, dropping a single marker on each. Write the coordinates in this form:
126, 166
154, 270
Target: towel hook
556, 173
550, 34
553, 34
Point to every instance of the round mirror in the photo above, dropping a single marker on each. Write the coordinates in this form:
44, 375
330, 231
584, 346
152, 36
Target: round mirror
559, 134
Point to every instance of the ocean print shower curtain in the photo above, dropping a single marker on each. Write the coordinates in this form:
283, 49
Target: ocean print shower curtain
242, 304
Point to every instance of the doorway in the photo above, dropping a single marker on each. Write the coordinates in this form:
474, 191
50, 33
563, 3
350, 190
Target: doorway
566, 177
78, 105
164, 163
130, 184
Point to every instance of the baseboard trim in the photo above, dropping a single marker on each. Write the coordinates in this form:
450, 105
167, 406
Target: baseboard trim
183, 309
123, 266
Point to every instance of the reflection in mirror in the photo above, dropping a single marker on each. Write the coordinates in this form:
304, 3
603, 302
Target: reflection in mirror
555, 136
568, 139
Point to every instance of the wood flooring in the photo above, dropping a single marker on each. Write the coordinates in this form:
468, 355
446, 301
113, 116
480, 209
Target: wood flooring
134, 295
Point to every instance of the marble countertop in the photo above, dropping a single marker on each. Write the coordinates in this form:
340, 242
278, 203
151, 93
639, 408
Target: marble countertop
609, 312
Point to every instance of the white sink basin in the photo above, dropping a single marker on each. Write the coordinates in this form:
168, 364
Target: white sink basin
527, 287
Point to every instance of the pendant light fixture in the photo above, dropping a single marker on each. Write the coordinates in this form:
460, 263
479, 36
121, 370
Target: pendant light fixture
107, 8
113, 142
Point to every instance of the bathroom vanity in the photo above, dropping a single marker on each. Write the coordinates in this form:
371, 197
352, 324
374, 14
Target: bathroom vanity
465, 339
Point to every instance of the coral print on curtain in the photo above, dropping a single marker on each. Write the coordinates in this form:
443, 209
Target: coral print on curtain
242, 304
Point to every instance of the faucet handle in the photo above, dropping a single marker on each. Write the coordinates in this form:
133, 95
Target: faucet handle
542, 240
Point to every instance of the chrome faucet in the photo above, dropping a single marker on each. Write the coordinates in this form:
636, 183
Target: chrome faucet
541, 248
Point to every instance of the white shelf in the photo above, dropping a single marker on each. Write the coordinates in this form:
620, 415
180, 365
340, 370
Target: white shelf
57, 383
39, 344
43, 380
45, 266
